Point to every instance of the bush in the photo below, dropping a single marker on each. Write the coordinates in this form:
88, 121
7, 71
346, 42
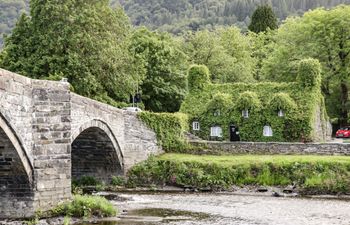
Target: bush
312, 174
118, 181
86, 181
85, 206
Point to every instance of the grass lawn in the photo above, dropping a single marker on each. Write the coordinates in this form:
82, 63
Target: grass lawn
314, 174
230, 160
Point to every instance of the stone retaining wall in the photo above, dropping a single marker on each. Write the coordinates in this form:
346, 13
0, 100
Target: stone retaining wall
271, 148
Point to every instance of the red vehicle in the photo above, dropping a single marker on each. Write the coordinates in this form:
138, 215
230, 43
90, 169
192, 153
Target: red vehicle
343, 132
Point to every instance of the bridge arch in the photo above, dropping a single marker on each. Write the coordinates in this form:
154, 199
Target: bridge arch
16, 170
96, 152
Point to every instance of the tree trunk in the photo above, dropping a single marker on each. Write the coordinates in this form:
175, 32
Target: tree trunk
343, 120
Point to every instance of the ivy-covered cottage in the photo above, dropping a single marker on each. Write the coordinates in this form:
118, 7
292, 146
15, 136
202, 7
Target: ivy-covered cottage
266, 111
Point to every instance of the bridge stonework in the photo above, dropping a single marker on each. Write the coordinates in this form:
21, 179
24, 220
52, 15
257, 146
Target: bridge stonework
49, 136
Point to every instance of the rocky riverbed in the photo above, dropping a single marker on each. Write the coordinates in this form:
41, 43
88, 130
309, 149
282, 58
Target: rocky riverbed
219, 209
227, 208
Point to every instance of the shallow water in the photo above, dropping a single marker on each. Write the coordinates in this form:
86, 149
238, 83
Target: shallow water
222, 209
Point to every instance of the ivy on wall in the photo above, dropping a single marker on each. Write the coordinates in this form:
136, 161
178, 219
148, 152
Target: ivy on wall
169, 128
300, 102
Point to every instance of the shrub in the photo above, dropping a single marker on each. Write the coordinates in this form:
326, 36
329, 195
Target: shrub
85, 206
313, 174
118, 181
86, 181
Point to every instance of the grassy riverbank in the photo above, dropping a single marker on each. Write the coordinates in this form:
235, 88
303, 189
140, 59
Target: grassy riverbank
81, 206
310, 174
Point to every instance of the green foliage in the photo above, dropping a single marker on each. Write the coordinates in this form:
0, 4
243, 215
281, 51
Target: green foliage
309, 73
262, 46
10, 12
323, 35
86, 181
181, 15
164, 86
248, 100
282, 101
314, 174
198, 76
85, 206
219, 101
86, 42
226, 52
169, 128
263, 19
118, 181
67, 220
263, 101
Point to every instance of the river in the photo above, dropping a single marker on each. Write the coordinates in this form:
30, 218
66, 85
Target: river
225, 209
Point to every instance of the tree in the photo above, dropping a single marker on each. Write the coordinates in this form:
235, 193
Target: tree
323, 35
226, 52
86, 42
263, 19
262, 46
164, 86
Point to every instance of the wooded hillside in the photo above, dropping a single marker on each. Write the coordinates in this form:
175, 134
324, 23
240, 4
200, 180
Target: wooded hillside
181, 15
177, 16
10, 10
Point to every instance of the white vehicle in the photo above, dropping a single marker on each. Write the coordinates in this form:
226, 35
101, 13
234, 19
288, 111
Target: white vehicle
132, 109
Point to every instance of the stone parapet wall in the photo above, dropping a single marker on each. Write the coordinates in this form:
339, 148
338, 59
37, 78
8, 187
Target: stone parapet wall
39, 122
140, 140
271, 148
135, 140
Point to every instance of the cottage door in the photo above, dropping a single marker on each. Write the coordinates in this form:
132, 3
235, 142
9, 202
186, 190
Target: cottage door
234, 133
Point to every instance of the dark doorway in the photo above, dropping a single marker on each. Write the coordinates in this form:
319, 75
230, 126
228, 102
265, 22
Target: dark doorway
234, 133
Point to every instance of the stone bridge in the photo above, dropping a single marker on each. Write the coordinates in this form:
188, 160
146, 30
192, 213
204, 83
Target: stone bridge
49, 136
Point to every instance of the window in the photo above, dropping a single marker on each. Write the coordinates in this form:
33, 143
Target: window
281, 113
216, 131
245, 113
267, 131
195, 125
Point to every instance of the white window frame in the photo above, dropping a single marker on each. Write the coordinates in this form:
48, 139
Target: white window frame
281, 113
196, 126
268, 132
245, 113
216, 131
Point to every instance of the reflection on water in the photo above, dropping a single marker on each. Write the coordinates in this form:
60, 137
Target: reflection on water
152, 216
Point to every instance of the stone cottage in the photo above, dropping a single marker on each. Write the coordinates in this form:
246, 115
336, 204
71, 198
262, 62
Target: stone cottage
265, 111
